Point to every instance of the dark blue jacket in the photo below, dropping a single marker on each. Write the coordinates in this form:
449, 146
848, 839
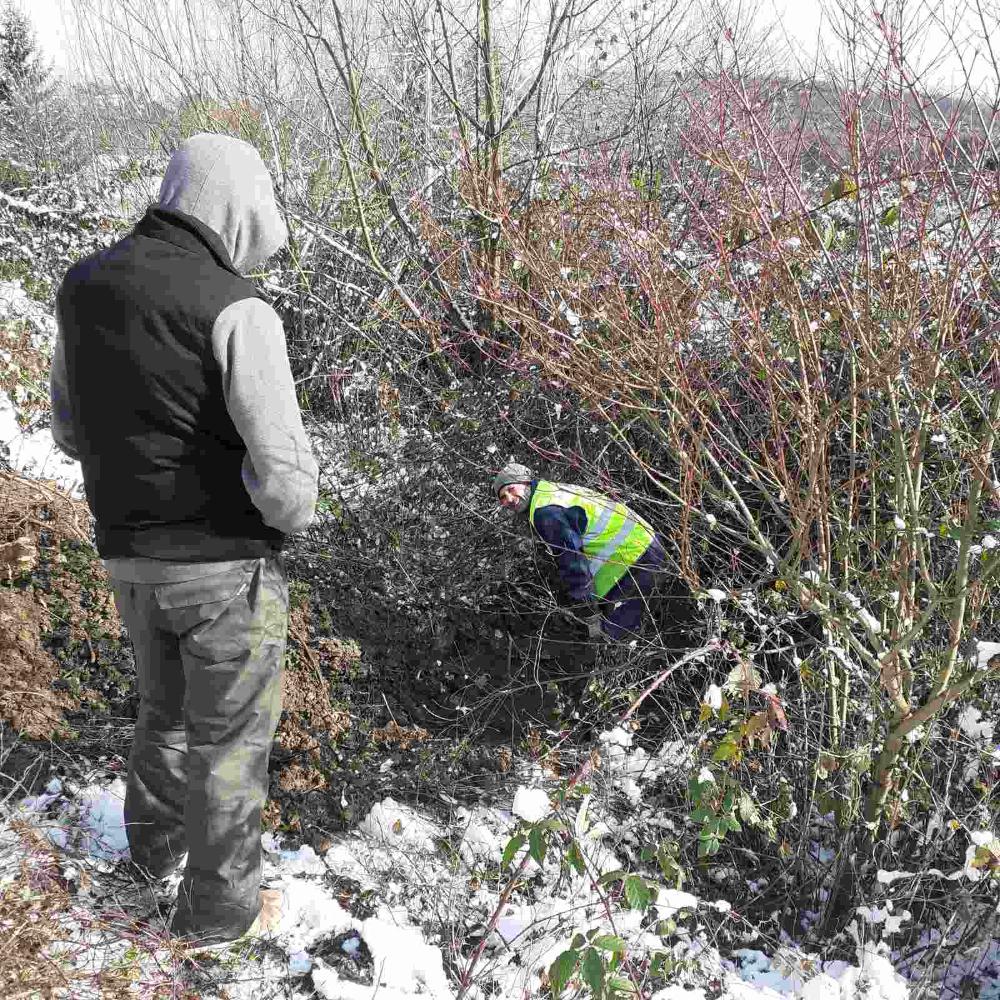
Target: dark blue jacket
562, 529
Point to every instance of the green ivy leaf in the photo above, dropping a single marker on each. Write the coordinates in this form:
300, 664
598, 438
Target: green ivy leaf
636, 893
513, 846
707, 846
537, 844
610, 942
620, 987
593, 972
561, 970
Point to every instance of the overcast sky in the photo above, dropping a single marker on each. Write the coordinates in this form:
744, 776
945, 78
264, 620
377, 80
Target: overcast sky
801, 20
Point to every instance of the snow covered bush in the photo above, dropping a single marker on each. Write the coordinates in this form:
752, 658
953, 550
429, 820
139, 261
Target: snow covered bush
796, 356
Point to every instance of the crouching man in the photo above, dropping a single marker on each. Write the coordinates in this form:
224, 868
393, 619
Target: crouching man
608, 557
172, 386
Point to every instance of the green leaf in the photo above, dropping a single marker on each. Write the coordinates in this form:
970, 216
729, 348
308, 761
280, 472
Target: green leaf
610, 942
608, 877
575, 857
636, 893
593, 972
513, 846
621, 987
537, 844
726, 750
890, 215
829, 234
842, 187
561, 970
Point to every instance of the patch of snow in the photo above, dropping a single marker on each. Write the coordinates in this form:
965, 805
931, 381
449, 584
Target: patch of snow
397, 824
531, 804
403, 959
671, 901
971, 722
34, 453
985, 651
484, 833
616, 737
713, 697
393, 852
873, 978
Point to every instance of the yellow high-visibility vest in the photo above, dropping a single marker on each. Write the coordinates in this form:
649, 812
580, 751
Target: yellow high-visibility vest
614, 538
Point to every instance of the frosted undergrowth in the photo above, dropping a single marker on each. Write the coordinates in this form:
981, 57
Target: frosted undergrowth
433, 883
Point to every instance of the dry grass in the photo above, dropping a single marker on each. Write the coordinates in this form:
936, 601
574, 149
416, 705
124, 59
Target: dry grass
39, 524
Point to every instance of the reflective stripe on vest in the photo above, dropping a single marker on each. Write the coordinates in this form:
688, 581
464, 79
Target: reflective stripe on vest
614, 537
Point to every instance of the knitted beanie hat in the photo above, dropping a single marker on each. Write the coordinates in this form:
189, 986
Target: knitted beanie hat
512, 472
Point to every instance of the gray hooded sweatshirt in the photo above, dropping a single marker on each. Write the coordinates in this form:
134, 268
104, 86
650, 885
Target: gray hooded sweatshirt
223, 183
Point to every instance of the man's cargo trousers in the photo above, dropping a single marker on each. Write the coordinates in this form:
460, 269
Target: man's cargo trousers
208, 656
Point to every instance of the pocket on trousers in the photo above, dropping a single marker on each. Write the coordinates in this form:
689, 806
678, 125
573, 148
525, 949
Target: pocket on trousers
214, 589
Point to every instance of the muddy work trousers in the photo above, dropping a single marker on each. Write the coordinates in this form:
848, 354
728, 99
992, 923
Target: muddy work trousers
208, 656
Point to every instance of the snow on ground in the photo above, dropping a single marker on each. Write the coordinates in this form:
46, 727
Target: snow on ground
429, 883
31, 450
34, 453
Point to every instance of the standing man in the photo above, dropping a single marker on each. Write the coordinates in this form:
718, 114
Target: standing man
171, 384
608, 557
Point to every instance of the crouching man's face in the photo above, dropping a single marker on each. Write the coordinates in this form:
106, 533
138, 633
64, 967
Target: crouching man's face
515, 497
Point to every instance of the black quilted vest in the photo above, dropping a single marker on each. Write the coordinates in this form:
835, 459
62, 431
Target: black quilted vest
161, 458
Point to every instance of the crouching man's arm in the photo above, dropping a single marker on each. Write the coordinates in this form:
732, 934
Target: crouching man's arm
279, 470
562, 531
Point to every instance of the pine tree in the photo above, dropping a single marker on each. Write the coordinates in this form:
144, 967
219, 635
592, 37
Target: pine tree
20, 59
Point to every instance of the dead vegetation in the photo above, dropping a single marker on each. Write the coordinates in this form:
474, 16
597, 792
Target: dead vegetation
32, 906
307, 705
24, 372
40, 528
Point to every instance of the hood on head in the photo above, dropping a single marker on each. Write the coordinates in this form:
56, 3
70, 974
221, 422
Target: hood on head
223, 183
